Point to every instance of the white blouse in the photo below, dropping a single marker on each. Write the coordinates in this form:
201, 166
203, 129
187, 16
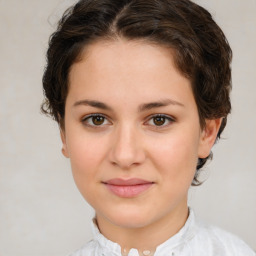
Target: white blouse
194, 239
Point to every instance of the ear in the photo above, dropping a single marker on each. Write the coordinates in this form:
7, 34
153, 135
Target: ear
64, 144
208, 137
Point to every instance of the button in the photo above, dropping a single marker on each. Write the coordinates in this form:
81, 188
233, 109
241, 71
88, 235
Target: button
146, 252
133, 252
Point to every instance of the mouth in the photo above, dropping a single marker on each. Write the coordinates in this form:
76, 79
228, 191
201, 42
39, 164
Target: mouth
128, 188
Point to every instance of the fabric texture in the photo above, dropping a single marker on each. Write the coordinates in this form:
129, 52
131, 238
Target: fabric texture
195, 239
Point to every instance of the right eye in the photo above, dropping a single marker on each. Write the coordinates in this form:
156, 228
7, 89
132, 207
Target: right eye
95, 120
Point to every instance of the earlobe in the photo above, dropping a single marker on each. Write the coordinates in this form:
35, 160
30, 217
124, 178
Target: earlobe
64, 149
208, 137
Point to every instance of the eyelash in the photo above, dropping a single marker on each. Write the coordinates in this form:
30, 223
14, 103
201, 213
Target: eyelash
88, 117
167, 118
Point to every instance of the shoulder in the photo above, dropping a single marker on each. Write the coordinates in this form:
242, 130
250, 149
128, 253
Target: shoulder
87, 250
96, 248
221, 242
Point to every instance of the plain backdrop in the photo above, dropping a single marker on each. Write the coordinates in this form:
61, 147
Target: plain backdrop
41, 211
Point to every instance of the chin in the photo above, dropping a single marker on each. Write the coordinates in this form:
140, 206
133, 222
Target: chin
130, 218
131, 222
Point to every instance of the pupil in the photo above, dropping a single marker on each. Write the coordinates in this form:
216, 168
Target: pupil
98, 120
159, 120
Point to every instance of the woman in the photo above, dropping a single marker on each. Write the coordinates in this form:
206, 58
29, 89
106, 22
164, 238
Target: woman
140, 90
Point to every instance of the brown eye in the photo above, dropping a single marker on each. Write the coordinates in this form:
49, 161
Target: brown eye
95, 120
159, 120
98, 120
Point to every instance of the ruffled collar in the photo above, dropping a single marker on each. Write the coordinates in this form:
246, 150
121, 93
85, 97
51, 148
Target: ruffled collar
186, 233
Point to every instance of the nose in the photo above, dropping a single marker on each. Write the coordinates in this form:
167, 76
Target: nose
127, 148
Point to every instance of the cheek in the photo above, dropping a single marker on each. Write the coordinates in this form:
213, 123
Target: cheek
86, 154
176, 157
86, 157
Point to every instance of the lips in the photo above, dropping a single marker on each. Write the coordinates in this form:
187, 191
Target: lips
128, 188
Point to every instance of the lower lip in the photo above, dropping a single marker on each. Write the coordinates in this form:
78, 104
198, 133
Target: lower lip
128, 191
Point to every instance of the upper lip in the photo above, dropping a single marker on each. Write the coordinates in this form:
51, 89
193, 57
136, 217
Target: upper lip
127, 182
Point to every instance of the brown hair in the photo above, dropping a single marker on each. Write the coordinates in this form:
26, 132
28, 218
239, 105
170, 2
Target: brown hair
202, 52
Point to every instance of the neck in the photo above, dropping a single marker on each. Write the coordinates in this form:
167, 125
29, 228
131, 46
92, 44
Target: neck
147, 238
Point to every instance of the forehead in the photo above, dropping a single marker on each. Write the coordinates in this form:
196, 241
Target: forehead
125, 53
138, 56
127, 69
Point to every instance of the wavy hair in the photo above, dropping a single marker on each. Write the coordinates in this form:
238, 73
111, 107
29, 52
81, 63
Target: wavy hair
202, 52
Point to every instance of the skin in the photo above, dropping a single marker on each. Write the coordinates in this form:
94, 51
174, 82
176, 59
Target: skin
124, 75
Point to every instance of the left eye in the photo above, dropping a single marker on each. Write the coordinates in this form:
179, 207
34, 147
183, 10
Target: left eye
160, 120
95, 120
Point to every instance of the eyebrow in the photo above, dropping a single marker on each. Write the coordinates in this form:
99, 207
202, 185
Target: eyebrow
142, 107
93, 103
158, 104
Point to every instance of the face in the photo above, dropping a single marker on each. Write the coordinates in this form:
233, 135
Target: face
132, 132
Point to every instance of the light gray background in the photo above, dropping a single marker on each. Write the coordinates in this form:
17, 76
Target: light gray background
41, 211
